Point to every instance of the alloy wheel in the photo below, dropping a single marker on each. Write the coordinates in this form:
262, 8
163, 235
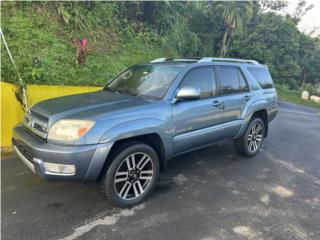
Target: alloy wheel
255, 137
133, 176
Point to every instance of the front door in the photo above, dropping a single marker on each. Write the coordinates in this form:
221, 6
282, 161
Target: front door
196, 121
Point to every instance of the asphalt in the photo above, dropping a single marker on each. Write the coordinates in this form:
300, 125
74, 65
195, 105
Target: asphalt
209, 194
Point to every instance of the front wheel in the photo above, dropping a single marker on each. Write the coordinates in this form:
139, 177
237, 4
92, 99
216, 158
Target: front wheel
250, 143
132, 175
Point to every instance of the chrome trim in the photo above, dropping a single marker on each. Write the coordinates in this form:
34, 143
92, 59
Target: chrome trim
24, 159
29, 121
188, 92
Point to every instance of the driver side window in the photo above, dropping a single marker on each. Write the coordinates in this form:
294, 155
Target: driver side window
202, 77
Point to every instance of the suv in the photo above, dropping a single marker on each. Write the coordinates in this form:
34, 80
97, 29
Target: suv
123, 135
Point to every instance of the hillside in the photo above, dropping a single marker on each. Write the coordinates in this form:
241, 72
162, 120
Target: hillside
42, 46
42, 36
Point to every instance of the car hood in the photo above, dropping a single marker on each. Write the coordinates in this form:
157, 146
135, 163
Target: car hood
87, 105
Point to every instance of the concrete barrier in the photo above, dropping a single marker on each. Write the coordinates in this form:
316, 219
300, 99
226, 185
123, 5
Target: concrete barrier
11, 111
305, 95
314, 98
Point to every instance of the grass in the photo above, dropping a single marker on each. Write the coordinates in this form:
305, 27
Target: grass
294, 96
42, 47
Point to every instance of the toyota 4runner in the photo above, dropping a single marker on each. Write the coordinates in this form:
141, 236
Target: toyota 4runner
123, 135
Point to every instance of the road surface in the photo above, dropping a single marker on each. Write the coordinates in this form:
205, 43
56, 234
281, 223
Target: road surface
211, 194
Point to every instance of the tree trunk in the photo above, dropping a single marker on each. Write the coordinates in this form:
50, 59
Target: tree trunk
223, 49
228, 42
304, 79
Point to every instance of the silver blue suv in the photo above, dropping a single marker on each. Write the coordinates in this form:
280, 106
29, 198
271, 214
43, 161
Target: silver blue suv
123, 135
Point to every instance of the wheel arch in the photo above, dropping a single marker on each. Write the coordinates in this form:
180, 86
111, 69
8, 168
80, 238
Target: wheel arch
261, 113
152, 139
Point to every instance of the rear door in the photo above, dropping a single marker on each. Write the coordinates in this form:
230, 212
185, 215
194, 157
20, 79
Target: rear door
235, 96
195, 121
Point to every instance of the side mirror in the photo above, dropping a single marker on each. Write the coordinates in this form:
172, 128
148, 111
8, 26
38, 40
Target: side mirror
188, 93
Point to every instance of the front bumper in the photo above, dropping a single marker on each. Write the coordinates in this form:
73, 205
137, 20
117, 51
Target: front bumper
86, 161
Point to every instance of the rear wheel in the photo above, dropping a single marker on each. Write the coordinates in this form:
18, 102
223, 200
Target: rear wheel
132, 175
250, 143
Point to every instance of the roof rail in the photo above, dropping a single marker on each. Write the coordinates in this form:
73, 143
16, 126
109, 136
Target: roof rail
175, 59
158, 60
211, 59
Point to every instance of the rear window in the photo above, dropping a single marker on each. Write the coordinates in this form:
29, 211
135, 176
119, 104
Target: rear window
262, 76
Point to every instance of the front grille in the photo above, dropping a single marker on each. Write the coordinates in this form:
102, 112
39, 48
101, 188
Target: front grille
23, 150
36, 123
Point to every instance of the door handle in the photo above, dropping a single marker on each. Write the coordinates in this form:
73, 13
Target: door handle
217, 103
247, 97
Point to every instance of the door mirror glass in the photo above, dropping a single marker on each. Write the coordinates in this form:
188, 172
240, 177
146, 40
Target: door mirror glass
188, 93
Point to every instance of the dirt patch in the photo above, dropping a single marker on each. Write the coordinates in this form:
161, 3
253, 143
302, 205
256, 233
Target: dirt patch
180, 179
265, 199
245, 232
282, 191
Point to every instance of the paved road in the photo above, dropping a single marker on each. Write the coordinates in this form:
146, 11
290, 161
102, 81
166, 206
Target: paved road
208, 194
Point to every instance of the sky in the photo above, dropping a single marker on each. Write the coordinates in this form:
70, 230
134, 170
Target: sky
311, 19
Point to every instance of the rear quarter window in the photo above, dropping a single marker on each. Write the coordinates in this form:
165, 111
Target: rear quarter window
262, 76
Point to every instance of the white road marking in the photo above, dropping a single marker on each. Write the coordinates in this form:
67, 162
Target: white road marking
107, 220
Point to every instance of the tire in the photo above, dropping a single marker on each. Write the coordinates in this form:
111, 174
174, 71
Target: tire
250, 143
132, 175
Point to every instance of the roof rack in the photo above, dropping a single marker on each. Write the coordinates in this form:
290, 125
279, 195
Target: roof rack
175, 59
159, 60
206, 59
211, 59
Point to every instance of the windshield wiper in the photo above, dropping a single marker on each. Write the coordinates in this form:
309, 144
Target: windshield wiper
126, 91
110, 89
129, 92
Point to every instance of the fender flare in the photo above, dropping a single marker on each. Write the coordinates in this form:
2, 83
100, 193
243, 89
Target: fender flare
138, 127
252, 108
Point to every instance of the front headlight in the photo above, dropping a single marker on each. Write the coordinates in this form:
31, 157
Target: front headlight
69, 130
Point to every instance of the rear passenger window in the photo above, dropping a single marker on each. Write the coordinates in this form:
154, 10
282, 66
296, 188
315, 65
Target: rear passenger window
262, 76
232, 80
203, 78
243, 84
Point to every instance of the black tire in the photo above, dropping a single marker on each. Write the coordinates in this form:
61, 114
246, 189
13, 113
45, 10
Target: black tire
112, 190
242, 145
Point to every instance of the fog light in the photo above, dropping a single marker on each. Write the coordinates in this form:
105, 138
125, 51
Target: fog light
55, 168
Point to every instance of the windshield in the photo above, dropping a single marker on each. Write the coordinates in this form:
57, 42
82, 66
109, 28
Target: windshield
146, 80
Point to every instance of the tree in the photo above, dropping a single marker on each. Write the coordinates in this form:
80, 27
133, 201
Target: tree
236, 15
301, 10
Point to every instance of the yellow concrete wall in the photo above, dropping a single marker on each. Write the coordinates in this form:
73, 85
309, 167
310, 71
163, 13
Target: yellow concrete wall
11, 112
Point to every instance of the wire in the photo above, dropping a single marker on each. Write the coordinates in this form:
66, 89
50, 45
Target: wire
15, 66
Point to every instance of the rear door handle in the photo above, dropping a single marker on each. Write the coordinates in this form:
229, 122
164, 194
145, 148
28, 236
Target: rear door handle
247, 97
217, 104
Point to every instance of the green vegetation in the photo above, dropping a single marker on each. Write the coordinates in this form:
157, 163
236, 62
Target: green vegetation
294, 96
41, 36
